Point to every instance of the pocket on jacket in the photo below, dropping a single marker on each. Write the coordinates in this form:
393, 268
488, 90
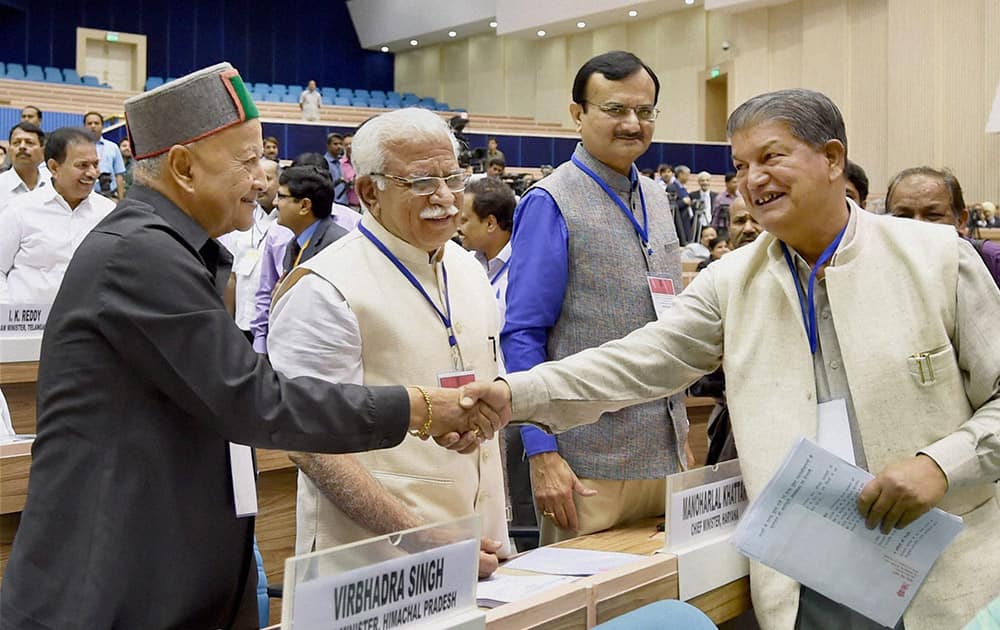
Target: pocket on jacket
933, 366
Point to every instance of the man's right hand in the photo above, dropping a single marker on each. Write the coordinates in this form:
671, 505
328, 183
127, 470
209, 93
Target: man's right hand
555, 485
458, 423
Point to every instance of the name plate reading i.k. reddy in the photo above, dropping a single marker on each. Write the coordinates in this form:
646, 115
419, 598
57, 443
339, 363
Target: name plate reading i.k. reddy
17, 320
418, 578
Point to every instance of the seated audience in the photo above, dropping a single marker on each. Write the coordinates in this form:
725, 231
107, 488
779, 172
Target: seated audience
700, 249
857, 183
27, 153
379, 305
935, 196
39, 231
718, 247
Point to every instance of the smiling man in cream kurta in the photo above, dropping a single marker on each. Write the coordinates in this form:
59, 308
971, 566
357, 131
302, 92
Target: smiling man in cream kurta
393, 299
902, 333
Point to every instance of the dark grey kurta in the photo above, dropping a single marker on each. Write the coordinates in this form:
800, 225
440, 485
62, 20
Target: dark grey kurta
144, 379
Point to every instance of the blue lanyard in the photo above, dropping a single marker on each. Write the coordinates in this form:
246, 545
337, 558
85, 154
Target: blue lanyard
641, 230
499, 273
809, 314
445, 316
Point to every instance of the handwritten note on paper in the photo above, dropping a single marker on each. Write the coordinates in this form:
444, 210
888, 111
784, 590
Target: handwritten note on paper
812, 499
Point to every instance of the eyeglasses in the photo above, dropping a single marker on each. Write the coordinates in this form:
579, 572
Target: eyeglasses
646, 113
428, 185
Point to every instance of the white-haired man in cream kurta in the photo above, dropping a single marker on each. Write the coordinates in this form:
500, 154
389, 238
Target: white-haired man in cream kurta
901, 329
395, 299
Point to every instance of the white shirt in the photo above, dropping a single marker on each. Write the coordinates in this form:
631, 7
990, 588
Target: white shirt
310, 102
11, 184
38, 234
246, 246
496, 271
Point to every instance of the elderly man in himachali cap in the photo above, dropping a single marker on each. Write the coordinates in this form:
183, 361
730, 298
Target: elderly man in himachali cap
140, 511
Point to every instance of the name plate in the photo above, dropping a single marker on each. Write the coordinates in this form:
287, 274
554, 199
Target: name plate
18, 320
406, 590
704, 503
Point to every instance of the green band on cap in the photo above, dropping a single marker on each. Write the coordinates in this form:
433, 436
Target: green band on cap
249, 107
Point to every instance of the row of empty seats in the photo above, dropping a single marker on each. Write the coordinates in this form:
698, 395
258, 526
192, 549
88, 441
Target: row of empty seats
341, 97
48, 74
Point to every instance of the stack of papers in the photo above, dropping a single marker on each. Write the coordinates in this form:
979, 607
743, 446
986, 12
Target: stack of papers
504, 589
806, 525
560, 561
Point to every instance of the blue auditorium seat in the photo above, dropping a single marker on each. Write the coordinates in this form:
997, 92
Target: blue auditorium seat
393, 95
15, 71
359, 102
153, 82
376, 101
326, 100
362, 94
53, 74
90, 81
170, 79
342, 101
280, 88
70, 76
3, 69
266, 87
442, 107
296, 90
290, 98
378, 94
427, 103
409, 95
273, 97
34, 73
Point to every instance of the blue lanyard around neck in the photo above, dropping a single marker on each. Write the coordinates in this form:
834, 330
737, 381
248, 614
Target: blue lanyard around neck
809, 313
446, 315
641, 230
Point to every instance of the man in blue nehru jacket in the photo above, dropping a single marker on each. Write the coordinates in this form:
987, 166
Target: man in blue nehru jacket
604, 235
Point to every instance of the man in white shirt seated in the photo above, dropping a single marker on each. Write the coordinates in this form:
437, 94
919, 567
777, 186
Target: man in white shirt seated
40, 230
395, 297
26, 153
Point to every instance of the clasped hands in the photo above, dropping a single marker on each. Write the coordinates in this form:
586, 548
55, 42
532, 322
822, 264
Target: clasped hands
461, 418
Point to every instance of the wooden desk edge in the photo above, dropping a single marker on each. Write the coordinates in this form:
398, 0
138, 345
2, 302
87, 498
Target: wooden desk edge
18, 372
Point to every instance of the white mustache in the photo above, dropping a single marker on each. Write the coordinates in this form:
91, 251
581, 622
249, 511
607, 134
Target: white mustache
438, 212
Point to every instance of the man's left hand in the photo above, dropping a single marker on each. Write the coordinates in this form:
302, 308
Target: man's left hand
902, 492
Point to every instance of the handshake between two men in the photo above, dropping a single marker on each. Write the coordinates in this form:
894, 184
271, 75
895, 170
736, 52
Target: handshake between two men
460, 419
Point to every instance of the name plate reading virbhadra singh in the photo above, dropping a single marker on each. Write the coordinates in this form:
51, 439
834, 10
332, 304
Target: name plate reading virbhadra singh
402, 591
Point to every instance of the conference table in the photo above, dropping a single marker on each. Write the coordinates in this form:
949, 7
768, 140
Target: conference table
599, 597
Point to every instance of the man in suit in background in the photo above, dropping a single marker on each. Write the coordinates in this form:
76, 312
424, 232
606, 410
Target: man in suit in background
305, 202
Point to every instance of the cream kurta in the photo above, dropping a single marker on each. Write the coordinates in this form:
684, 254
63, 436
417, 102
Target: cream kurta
897, 290
373, 325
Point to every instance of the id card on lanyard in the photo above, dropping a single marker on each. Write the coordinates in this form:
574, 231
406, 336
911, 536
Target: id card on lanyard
661, 289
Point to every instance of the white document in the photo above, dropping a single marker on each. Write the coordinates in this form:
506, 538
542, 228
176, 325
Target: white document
661, 289
244, 479
560, 561
806, 524
833, 429
504, 589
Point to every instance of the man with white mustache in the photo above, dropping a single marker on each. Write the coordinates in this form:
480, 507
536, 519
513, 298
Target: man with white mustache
395, 298
40, 230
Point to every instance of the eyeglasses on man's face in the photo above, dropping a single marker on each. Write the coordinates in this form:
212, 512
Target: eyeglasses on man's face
428, 185
645, 113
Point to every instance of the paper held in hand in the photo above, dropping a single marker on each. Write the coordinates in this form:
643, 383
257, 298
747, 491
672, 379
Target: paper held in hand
806, 524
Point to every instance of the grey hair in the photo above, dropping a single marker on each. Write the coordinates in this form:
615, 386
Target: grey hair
147, 171
681, 169
811, 116
374, 139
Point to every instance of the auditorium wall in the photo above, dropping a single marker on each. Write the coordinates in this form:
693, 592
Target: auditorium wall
914, 78
286, 42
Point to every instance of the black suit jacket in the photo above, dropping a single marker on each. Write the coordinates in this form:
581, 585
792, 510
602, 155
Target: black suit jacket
326, 232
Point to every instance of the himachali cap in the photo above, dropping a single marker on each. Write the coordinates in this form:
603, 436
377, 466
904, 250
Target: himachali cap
193, 107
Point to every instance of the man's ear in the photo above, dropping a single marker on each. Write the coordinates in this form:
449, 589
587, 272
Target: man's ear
836, 157
307, 205
179, 168
365, 187
575, 111
491, 223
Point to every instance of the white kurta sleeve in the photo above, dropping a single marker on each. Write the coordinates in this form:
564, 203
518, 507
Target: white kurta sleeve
313, 332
